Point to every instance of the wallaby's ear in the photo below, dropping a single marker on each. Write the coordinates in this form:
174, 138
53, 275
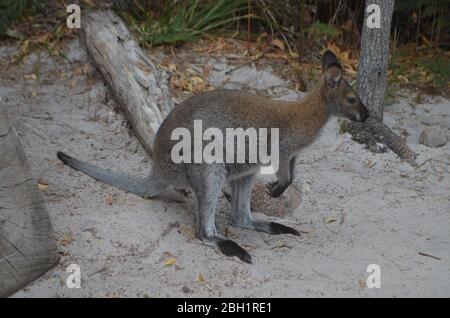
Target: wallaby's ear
329, 59
333, 75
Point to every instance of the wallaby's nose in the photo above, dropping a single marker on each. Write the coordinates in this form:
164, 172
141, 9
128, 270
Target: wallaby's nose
364, 113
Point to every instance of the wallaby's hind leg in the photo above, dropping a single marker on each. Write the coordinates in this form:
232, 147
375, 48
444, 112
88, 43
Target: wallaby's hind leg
207, 192
240, 202
241, 213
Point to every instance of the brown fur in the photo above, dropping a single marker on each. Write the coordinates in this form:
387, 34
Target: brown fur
298, 122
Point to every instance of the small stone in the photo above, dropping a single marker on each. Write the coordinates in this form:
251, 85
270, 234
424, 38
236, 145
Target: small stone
248, 77
434, 137
104, 115
262, 202
284, 205
186, 290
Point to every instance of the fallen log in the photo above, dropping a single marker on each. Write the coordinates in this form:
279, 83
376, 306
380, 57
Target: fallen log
143, 93
137, 84
27, 242
376, 135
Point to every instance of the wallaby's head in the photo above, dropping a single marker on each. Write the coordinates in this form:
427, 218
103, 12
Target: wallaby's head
340, 97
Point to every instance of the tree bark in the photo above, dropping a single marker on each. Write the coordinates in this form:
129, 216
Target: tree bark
373, 60
372, 85
140, 88
27, 243
375, 135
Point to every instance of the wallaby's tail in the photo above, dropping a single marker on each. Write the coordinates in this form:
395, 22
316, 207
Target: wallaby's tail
143, 187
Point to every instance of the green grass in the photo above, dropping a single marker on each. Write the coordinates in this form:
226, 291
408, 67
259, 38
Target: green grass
439, 69
13, 10
185, 21
319, 29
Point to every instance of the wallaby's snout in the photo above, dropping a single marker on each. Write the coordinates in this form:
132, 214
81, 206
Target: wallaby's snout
341, 98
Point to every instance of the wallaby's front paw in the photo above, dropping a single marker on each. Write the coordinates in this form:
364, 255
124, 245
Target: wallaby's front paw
275, 188
231, 248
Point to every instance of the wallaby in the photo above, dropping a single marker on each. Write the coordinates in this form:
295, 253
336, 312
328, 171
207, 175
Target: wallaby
298, 122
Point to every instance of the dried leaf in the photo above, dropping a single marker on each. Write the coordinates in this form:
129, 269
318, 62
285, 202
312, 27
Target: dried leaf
42, 186
78, 71
361, 283
109, 200
330, 220
293, 54
279, 44
333, 47
66, 239
171, 261
368, 163
278, 55
30, 77
220, 44
197, 79
187, 231
306, 188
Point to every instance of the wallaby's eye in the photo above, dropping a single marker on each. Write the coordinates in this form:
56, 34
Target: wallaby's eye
351, 99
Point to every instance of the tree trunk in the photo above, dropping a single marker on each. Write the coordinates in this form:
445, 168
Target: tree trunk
27, 243
373, 60
137, 84
372, 84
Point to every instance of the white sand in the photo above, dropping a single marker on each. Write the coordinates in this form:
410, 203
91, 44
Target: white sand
357, 208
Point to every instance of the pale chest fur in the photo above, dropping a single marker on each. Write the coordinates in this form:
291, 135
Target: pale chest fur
305, 120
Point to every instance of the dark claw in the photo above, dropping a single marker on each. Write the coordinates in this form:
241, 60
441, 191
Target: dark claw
276, 228
271, 184
231, 248
275, 189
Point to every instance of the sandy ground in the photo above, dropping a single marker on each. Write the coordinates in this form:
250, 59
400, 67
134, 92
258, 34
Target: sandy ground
357, 208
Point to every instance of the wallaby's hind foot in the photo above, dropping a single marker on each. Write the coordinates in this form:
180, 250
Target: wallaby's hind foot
273, 228
267, 227
240, 210
207, 190
230, 248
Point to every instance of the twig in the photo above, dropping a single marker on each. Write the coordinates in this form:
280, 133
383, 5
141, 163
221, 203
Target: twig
98, 271
429, 159
443, 162
338, 8
354, 21
326, 226
340, 145
245, 64
372, 132
428, 255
